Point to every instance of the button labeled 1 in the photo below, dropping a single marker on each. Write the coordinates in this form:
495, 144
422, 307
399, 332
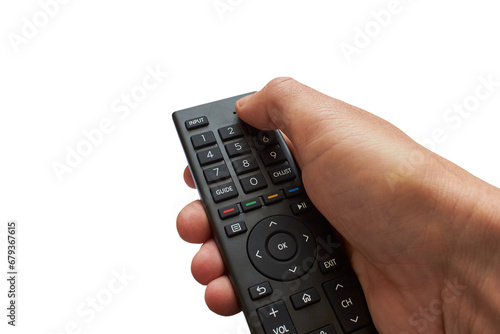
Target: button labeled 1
203, 139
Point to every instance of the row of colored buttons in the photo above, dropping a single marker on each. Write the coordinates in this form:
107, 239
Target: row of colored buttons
268, 199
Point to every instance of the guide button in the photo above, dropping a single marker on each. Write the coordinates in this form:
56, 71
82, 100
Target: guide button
224, 192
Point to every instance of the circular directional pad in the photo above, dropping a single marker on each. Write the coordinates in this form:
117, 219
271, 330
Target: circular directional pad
282, 248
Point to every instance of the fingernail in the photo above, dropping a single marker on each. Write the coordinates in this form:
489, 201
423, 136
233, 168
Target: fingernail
241, 102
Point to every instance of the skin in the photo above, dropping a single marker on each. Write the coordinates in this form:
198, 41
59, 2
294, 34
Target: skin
423, 235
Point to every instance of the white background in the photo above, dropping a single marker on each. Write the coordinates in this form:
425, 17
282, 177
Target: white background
117, 209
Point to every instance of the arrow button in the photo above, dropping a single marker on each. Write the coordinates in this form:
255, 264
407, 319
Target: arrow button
346, 297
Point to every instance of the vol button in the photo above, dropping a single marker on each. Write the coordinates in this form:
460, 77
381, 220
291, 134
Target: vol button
282, 246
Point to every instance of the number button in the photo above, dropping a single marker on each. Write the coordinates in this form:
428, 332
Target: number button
209, 156
203, 139
253, 183
237, 148
245, 165
216, 173
266, 138
272, 155
230, 132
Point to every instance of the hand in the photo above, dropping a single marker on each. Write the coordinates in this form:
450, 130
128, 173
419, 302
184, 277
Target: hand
423, 235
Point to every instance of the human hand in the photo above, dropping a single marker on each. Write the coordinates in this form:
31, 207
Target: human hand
412, 221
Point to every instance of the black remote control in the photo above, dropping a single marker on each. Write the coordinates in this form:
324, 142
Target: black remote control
284, 260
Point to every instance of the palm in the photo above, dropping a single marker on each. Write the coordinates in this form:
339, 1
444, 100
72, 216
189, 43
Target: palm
393, 260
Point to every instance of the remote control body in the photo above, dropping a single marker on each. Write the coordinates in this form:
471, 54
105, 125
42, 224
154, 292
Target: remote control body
284, 260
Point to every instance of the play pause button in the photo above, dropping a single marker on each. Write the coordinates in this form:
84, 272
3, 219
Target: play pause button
301, 206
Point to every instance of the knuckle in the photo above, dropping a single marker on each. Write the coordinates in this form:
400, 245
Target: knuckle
280, 85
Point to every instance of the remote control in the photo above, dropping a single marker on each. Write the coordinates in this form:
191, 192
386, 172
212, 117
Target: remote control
282, 256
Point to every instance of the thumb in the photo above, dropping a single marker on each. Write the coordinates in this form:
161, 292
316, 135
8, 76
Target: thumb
303, 114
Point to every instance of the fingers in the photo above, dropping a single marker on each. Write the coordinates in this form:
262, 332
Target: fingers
208, 269
220, 297
188, 178
207, 264
192, 223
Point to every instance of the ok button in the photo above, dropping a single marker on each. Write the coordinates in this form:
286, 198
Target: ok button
282, 246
